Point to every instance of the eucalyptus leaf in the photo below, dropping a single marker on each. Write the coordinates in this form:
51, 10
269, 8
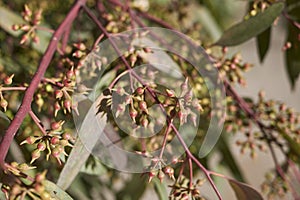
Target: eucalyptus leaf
79, 153
250, 28
55, 191
8, 19
292, 57
160, 189
244, 191
96, 168
228, 159
263, 43
2, 195
134, 189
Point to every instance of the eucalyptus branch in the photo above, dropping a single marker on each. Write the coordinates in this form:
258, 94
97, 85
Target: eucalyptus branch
44, 63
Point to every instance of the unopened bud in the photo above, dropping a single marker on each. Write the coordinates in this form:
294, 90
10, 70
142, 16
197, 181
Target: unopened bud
24, 39
4, 104
15, 27
143, 106
35, 155
8, 80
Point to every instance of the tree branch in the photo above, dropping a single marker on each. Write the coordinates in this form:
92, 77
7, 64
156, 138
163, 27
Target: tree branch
44, 63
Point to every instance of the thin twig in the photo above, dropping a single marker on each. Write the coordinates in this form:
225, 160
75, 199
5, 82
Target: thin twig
38, 122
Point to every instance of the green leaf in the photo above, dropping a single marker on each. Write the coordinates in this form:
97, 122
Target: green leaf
55, 191
228, 159
244, 191
9, 18
94, 169
292, 57
44, 37
134, 189
250, 28
2, 195
79, 153
160, 189
263, 43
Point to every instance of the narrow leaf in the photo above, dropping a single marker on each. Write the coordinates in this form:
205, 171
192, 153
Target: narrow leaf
55, 191
263, 43
96, 168
9, 18
250, 28
292, 57
134, 189
160, 189
79, 153
244, 191
228, 159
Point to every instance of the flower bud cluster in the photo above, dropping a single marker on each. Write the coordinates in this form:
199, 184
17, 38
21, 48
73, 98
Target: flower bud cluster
53, 144
182, 189
20, 188
32, 20
232, 68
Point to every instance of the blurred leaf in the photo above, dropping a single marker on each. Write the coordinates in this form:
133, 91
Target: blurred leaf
250, 28
78, 189
160, 189
55, 191
228, 159
224, 13
134, 189
79, 153
263, 43
244, 191
94, 169
208, 22
292, 57
9, 18
2, 196
44, 37
293, 144
4, 122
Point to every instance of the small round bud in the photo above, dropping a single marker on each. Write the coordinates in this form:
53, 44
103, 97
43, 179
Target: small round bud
67, 105
4, 104
35, 155
144, 122
15, 27
161, 175
67, 136
45, 196
133, 113
56, 152
54, 140
143, 106
139, 91
151, 175
169, 171
56, 126
41, 146
58, 94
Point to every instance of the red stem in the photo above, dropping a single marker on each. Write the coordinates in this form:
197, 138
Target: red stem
44, 63
37, 121
12, 88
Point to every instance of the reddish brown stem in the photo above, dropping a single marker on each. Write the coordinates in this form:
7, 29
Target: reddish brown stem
44, 63
12, 89
37, 121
